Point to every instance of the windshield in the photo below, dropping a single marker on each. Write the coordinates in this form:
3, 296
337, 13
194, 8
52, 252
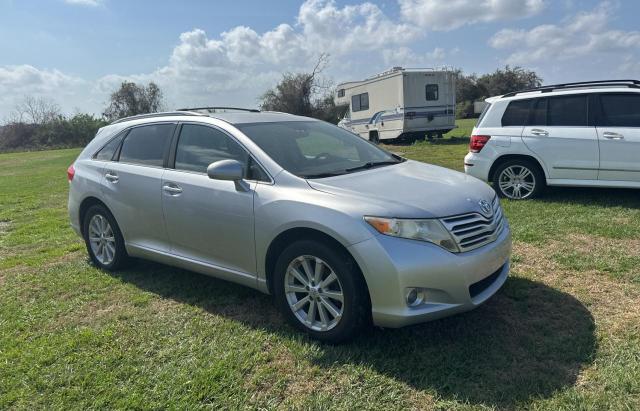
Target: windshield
315, 149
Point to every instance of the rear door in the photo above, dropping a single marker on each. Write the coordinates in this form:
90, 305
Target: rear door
132, 185
619, 134
560, 133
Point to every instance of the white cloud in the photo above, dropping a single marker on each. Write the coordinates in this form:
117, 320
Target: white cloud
90, 3
22, 80
240, 64
406, 57
584, 34
452, 14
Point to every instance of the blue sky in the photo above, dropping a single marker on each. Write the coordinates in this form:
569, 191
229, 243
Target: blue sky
228, 52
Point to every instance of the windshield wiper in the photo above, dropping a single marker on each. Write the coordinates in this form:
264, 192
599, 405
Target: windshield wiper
322, 175
372, 164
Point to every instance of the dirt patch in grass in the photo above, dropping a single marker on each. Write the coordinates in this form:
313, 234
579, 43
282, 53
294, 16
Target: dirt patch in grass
614, 303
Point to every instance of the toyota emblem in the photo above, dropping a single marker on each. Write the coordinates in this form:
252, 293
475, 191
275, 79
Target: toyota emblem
485, 207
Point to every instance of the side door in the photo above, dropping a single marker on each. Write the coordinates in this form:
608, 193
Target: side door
208, 220
132, 184
561, 134
618, 127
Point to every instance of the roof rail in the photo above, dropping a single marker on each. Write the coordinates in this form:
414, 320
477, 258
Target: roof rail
150, 115
214, 109
599, 83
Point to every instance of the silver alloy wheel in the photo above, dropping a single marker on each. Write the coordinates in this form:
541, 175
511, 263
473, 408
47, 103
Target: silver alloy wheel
517, 182
314, 293
102, 239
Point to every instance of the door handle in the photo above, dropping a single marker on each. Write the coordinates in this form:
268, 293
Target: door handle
539, 132
111, 177
612, 136
172, 189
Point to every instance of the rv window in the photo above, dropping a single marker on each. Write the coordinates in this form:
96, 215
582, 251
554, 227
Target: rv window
364, 101
431, 92
341, 92
360, 102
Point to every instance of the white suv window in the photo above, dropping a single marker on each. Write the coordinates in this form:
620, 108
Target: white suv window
568, 111
620, 110
517, 113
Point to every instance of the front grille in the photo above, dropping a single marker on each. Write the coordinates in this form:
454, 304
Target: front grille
474, 230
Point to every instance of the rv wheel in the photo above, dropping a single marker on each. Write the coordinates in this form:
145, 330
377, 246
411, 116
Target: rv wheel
374, 137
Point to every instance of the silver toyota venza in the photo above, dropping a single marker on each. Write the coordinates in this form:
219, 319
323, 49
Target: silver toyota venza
341, 232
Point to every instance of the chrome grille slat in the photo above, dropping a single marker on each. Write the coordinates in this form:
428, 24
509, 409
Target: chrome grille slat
473, 230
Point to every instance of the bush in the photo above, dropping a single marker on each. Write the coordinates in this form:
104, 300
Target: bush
59, 132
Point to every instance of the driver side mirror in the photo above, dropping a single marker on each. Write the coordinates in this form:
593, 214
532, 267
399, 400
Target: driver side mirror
228, 170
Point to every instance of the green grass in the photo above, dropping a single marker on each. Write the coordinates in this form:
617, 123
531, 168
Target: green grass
564, 333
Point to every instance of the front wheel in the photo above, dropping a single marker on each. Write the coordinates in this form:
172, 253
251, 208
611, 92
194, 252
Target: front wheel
518, 180
321, 292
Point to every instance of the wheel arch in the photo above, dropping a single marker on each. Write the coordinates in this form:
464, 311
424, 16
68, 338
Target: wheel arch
85, 205
507, 157
289, 236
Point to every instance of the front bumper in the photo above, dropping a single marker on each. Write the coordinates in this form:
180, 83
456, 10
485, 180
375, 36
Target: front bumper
453, 282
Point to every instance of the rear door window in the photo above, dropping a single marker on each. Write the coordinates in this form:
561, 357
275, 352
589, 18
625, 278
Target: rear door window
620, 110
539, 112
146, 145
517, 113
568, 111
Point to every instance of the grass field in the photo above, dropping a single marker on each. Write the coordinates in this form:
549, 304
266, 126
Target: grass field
564, 332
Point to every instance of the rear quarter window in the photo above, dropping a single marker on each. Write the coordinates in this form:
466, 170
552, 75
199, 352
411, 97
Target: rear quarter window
517, 113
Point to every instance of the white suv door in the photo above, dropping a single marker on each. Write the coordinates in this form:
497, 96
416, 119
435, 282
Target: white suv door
619, 134
559, 133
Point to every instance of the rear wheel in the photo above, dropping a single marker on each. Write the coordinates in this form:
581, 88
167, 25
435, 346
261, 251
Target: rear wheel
103, 239
518, 180
321, 292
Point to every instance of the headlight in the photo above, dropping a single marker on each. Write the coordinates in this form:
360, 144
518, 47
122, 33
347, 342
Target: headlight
423, 230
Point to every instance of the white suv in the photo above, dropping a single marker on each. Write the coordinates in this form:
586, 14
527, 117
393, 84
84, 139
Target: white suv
574, 134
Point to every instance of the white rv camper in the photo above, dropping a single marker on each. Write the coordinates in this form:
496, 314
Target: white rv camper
405, 104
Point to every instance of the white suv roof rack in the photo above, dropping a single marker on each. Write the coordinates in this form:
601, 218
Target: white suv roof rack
580, 84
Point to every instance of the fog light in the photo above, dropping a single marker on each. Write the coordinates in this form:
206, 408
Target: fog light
414, 296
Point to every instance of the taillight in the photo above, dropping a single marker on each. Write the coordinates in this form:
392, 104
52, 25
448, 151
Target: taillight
477, 143
71, 172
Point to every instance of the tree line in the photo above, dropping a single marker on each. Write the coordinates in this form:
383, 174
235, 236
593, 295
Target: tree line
38, 123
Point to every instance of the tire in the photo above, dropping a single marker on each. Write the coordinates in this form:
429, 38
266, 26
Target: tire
355, 308
374, 137
99, 223
518, 180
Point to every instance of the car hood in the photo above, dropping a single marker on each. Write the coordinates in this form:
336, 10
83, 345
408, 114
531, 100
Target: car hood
409, 190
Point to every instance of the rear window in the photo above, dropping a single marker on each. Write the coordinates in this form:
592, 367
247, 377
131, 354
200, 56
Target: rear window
516, 114
431, 92
568, 111
146, 144
620, 110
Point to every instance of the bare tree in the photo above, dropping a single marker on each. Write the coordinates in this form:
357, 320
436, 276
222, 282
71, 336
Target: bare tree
305, 94
131, 99
35, 110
